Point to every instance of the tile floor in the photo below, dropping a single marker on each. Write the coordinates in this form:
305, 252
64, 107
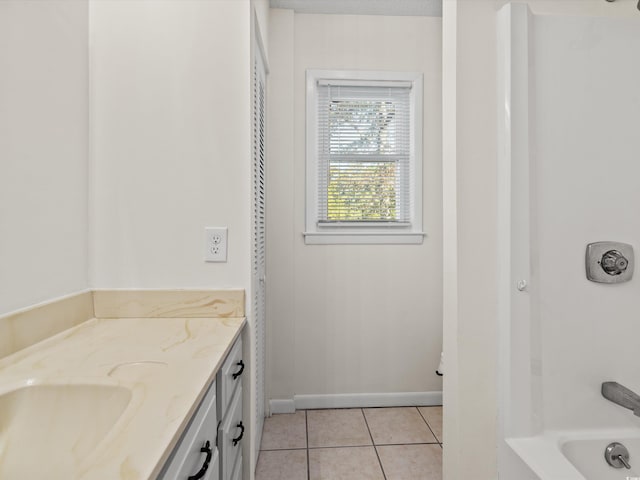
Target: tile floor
355, 444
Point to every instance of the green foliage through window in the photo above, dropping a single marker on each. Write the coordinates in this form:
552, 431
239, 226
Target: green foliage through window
361, 191
363, 173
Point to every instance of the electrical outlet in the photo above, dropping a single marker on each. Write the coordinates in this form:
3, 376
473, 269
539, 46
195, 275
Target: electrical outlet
215, 244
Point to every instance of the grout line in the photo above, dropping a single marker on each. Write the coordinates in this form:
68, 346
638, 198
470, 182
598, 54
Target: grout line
429, 426
375, 449
281, 449
339, 446
361, 446
405, 444
367, 424
306, 427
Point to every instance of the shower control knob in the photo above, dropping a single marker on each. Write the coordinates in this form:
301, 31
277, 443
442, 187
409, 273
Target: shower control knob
613, 262
609, 262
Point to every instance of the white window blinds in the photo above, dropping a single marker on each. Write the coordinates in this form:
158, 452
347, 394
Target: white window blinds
364, 153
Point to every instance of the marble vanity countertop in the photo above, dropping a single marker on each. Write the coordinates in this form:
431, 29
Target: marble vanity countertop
153, 370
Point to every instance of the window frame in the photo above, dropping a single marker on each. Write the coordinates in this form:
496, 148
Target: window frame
363, 232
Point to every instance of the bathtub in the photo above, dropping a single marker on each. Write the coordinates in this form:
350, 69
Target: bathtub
578, 455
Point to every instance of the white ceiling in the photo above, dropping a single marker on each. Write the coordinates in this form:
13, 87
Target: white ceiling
431, 8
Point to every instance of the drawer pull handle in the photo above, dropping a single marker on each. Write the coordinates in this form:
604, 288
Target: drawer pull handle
239, 372
237, 439
205, 466
218, 432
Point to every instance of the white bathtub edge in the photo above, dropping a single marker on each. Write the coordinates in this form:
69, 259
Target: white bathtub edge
544, 456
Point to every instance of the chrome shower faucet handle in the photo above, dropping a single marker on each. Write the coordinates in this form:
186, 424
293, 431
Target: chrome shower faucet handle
609, 262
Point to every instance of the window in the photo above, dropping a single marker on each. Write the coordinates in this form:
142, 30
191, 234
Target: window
364, 157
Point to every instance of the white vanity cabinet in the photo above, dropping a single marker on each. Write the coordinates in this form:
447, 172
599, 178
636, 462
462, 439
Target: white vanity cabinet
232, 429
196, 457
211, 446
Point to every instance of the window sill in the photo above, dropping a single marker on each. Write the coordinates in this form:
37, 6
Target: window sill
351, 238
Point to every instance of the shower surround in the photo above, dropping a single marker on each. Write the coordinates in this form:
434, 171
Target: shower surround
569, 169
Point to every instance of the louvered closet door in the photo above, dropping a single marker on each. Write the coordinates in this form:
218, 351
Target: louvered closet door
259, 308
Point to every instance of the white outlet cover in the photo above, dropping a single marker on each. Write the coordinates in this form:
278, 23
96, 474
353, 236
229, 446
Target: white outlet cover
215, 244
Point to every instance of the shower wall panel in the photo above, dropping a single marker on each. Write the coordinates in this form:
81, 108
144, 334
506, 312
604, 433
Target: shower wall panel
584, 97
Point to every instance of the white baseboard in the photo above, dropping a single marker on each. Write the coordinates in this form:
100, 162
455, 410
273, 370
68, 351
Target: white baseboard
356, 400
282, 406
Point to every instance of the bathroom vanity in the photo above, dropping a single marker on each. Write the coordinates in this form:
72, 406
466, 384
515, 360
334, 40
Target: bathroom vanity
149, 387
210, 448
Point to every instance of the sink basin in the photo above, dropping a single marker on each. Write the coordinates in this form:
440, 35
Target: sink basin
46, 430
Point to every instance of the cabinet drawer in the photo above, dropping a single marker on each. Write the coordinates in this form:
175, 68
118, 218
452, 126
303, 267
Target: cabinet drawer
229, 377
188, 458
231, 435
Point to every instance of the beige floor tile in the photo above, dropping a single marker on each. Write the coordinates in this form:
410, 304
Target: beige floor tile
415, 462
337, 428
433, 415
397, 425
351, 463
284, 431
282, 465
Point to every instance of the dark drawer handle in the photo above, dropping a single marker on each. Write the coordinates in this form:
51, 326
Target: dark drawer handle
206, 449
237, 439
239, 372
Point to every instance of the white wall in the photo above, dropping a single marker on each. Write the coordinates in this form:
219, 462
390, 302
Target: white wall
586, 166
349, 318
261, 8
450, 456
43, 150
170, 142
471, 337
471, 329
